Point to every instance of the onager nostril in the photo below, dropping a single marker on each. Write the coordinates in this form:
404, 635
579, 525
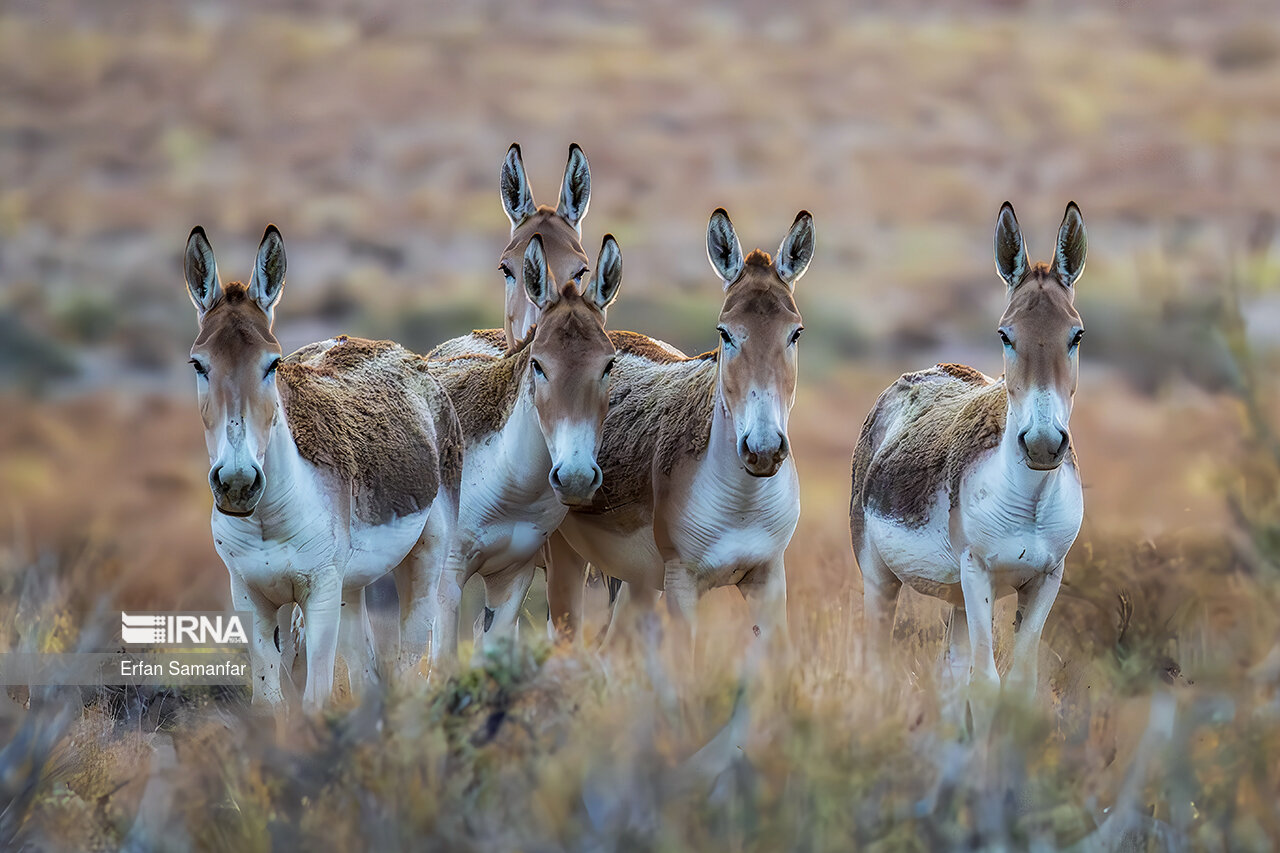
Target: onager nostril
555, 477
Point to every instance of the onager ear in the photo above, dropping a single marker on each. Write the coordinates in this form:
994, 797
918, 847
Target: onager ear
537, 278
268, 272
604, 285
796, 250
1073, 244
1011, 252
517, 198
575, 192
201, 270
723, 249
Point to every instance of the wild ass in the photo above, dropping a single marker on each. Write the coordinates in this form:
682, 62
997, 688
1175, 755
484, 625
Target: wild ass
327, 468
531, 422
700, 489
560, 229
963, 484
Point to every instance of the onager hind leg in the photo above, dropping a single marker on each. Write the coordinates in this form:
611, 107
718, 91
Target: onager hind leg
418, 580
504, 595
957, 659
880, 590
566, 575
355, 640
1035, 599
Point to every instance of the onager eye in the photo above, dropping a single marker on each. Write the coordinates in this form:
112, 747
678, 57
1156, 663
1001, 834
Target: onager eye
1075, 339
200, 368
578, 276
537, 369
1004, 338
608, 368
724, 335
506, 272
795, 336
272, 368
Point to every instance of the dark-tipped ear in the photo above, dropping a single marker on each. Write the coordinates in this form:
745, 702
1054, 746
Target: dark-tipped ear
201, 271
1073, 244
517, 198
723, 249
268, 271
575, 191
1011, 252
796, 250
537, 278
608, 278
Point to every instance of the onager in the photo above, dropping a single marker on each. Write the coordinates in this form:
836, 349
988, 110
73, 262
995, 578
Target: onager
964, 485
559, 229
531, 422
700, 489
327, 468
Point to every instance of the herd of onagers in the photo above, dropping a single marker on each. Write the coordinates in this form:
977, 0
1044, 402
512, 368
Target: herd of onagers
556, 442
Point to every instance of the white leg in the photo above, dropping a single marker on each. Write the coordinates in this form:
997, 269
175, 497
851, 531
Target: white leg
984, 679
566, 575
355, 639
880, 589
681, 592
766, 593
1035, 599
957, 660
446, 601
263, 654
322, 612
504, 595
418, 581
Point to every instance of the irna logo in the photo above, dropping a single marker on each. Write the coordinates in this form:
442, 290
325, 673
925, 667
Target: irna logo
184, 629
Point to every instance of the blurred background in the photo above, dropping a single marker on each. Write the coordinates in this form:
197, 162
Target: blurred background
373, 137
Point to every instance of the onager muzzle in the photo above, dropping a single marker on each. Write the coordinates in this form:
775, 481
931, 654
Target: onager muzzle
763, 451
236, 491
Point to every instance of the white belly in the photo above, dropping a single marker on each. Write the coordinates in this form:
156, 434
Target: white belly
922, 557
377, 550
629, 555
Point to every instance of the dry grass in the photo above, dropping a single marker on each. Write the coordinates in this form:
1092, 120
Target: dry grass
544, 748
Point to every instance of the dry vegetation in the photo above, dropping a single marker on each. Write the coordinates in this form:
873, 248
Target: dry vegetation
373, 138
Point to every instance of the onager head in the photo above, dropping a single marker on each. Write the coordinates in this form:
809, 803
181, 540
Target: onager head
1041, 332
570, 360
560, 228
235, 357
759, 330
